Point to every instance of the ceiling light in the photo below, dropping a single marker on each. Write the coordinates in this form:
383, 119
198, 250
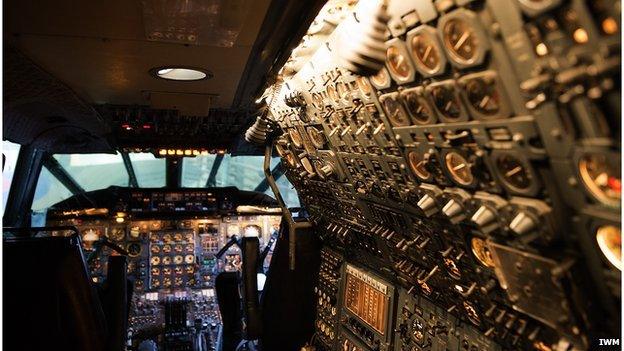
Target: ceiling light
180, 73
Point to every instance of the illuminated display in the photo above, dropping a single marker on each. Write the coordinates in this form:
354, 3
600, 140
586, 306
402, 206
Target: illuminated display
367, 298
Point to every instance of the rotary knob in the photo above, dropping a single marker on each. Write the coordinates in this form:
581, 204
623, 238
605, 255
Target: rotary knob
452, 209
428, 205
522, 223
484, 216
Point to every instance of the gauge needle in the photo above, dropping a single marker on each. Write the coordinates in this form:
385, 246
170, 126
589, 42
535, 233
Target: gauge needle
427, 52
484, 101
459, 166
461, 41
602, 179
513, 171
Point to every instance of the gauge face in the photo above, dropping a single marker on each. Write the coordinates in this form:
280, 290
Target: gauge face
166, 271
483, 96
189, 248
332, 94
317, 137
134, 249
189, 237
90, 235
317, 100
167, 238
251, 230
452, 268
166, 249
178, 248
155, 271
166, 260
295, 138
395, 113
381, 79
167, 282
177, 237
601, 179
397, 63
364, 86
446, 102
426, 52
155, 261
178, 270
117, 234
418, 108
473, 316
514, 172
460, 40
482, 252
342, 90
609, 240
155, 283
290, 160
178, 259
305, 162
281, 151
459, 168
188, 259
417, 165
155, 249
189, 269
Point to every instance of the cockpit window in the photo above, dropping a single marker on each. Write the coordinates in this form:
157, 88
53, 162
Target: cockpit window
149, 170
243, 172
49, 191
10, 151
95, 171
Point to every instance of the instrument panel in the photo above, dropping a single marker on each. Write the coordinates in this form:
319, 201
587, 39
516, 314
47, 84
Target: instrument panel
476, 175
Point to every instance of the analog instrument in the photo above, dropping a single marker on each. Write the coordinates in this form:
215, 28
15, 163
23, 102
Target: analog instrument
178, 259
332, 94
397, 63
135, 232
178, 281
381, 80
189, 269
189, 248
155, 283
460, 40
166, 271
281, 150
178, 248
167, 282
426, 52
317, 137
395, 113
343, 91
473, 316
134, 249
418, 108
189, 237
601, 179
305, 162
459, 168
514, 173
166, 248
178, 270
317, 100
155, 249
166, 260
446, 102
155, 271
177, 237
481, 251
117, 233
609, 240
189, 259
167, 238
364, 86
417, 165
295, 138
483, 96
155, 261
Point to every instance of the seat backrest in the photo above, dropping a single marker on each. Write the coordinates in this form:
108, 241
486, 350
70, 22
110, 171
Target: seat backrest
49, 300
228, 297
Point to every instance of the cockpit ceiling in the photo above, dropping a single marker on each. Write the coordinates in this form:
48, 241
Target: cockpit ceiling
104, 50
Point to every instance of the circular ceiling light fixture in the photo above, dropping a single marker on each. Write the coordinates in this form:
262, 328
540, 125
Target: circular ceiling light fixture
180, 73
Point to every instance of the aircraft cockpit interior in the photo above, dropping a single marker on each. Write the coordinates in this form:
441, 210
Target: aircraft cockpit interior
311, 175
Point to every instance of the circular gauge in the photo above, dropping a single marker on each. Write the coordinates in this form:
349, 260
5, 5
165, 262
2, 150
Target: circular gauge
418, 108
90, 235
155, 249
178, 259
178, 270
482, 252
513, 172
395, 113
483, 96
188, 259
166, 260
155, 225
601, 179
459, 168
460, 40
117, 234
318, 165
154, 238
332, 93
317, 100
381, 79
166, 249
426, 52
317, 137
364, 86
134, 249
155, 283
135, 232
155, 271
189, 237
446, 102
305, 162
167, 238
167, 282
452, 268
609, 239
417, 165
343, 91
131, 267
166, 271
177, 237
155, 261
138, 284
189, 269
295, 138
178, 281
251, 230
189, 248
291, 160
397, 62
473, 316
178, 248
281, 151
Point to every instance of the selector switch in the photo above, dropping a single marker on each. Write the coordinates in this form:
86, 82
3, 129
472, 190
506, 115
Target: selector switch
522, 223
452, 209
484, 217
428, 205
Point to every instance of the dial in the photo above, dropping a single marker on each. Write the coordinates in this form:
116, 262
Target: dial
167, 282
305, 162
342, 91
134, 249
178, 248
189, 248
188, 259
446, 102
483, 96
459, 168
460, 40
155, 249
417, 165
155, 261
472, 313
482, 252
167, 238
397, 62
167, 271
332, 93
364, 85
178, 259
609, 240
166, 249
281, 150
601, 179
295, 138
291, 160
426, 52
117, 233
177, 237
418, 108
135, 232
381, 79
166, 260
155, 271
395, 113
317, 100
317, 137
514, 173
